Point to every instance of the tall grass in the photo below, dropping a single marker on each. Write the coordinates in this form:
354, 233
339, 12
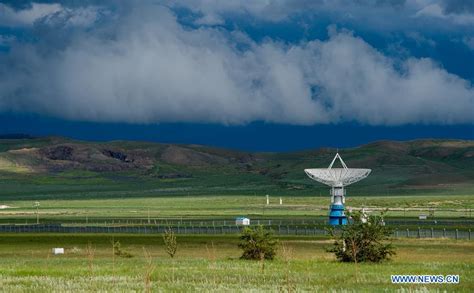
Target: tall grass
212, 264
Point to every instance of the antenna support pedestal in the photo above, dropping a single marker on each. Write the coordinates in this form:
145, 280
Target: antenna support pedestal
336, 213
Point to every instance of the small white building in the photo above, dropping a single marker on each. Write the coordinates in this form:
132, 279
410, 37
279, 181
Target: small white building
58, 250
422, 217
242, 221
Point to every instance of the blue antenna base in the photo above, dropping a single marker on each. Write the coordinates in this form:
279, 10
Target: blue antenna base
337, 215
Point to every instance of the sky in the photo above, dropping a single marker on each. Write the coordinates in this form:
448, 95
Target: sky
254, 75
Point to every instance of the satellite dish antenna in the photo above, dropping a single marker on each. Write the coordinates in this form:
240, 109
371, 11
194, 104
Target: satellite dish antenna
337, 178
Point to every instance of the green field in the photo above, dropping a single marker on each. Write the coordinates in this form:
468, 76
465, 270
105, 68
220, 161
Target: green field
228, 207
139, 183
212, 264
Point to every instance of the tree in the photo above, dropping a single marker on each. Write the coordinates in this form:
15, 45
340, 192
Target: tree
361, 241
257, 243
171, 244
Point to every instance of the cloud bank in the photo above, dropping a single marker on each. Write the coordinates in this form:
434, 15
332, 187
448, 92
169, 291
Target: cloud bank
9, 16
147, 67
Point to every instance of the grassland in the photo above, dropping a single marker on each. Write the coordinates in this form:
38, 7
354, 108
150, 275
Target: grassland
93, 182
228, 207
212, 264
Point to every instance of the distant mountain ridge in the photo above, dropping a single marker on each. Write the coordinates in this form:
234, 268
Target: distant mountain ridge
410, 165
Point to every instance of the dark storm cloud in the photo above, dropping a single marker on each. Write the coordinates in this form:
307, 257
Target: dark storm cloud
382, 2
458, 6
141, 64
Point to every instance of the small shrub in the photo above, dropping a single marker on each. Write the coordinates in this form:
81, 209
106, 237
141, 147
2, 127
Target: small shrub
75, 250
364, 239
257, 243
171, 245
118, 251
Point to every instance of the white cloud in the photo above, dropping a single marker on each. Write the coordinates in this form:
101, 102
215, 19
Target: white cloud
469, 42
9, 16
150, 68
436, 11
211, 11
50, 14
365, 86
420, 40
376, 15
78, 17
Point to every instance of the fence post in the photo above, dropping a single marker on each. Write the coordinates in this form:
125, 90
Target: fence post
287, 230
408, 233
396, 233
457, 236
444, 232
469, 234
419, 232
432, 233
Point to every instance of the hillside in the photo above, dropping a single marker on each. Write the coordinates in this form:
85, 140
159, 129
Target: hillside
53, 167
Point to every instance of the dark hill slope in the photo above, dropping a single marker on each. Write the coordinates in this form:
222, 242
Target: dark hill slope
61, 167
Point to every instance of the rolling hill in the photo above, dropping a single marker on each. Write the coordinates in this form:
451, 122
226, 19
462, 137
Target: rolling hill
54, 167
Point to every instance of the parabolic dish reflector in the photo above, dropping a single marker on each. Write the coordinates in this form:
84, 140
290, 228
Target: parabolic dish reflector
337, 176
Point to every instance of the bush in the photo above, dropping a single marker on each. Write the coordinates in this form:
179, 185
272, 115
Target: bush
118, 251
364, 239
257, 243
171, 244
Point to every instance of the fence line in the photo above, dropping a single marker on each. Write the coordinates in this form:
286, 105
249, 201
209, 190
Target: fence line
229, 222
214, 230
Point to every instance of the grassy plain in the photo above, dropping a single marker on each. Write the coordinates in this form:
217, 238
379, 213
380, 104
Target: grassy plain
228, 207
408, 178
208, 263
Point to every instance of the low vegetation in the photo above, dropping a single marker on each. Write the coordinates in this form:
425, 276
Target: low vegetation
171, 245
257, 243
119, 251
364, 239
28, 266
